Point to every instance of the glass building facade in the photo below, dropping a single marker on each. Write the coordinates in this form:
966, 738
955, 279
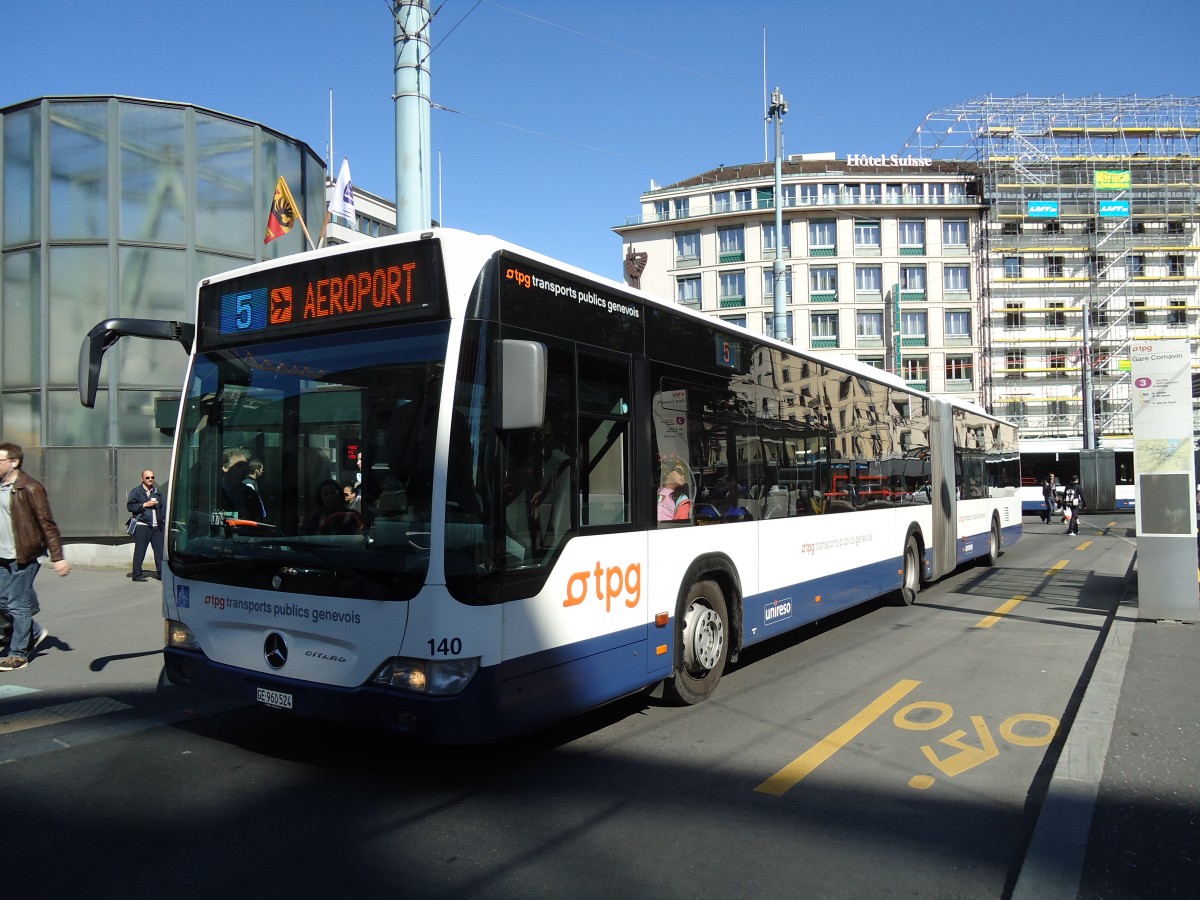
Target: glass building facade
112, 206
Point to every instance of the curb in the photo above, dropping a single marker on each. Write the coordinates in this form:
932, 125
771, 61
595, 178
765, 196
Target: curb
1053, 864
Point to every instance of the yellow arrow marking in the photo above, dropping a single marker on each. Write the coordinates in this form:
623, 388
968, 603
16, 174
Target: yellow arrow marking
967, 757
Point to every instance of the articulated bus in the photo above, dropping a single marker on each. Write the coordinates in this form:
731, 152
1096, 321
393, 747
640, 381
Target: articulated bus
570, 491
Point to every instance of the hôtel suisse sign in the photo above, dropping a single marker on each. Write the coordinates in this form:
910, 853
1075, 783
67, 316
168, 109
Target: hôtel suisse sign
861, 159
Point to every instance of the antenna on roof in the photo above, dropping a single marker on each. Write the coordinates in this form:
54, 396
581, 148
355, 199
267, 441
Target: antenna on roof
766, 107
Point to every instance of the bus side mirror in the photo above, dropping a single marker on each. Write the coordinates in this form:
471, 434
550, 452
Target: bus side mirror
520, 384
104, 335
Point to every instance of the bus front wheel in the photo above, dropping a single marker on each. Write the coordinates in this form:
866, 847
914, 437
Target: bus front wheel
910, 583
702, 634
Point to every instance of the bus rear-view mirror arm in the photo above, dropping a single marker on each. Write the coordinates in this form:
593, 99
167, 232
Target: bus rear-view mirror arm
108, 332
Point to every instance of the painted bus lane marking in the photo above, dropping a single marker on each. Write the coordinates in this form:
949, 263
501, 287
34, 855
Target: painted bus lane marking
1020, 730
970, 754
1012, 603
795, 771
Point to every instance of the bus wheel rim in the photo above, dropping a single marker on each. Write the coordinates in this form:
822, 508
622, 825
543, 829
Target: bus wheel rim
704, 638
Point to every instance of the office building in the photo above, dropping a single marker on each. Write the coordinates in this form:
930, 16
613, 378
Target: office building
882, 257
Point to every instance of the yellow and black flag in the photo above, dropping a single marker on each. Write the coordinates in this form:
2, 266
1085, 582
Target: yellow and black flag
283, 212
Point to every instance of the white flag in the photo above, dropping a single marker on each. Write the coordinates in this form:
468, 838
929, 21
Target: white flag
341, 202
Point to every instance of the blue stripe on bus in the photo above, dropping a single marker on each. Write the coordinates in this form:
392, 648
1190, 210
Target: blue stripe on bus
1010, 534
774, 612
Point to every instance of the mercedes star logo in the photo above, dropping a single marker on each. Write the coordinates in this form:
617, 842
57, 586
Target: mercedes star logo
275, 650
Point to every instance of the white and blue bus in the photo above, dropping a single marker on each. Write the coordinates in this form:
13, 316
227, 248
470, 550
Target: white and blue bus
570, 491
1061, 457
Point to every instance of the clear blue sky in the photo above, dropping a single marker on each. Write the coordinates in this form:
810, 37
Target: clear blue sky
567, 109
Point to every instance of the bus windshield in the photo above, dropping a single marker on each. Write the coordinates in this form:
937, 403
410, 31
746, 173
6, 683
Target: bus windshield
306, 465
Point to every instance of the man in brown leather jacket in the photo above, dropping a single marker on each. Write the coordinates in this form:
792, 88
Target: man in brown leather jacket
27, 530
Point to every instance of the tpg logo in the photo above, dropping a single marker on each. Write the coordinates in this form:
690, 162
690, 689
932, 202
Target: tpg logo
521, 278
610, 584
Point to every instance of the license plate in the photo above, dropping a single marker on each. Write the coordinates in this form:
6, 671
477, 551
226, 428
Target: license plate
276, 699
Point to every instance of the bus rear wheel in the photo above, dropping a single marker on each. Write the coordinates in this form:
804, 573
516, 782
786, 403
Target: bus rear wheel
910, 584
993, 551
702, 634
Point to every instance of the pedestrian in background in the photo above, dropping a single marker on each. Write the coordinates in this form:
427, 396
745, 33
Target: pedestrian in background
27, 531
145, 505
1073, 502
1049, 489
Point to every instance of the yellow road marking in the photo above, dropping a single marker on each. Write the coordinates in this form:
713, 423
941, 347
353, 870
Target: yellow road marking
795, 771
1009, 605
1084, 545
1001, 611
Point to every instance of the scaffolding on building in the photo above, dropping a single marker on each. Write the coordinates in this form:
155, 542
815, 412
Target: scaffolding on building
1090, 241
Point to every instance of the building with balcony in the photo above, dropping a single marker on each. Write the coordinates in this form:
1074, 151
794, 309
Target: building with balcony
882, 257
113, 206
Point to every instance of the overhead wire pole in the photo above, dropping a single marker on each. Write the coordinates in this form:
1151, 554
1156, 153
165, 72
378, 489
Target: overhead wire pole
413, 176
777, 111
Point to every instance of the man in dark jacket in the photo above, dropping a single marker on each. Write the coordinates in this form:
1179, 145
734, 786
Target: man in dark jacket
145, 505
27, 530
1049, 498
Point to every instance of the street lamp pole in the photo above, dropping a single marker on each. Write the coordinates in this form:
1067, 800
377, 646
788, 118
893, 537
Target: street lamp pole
776, 112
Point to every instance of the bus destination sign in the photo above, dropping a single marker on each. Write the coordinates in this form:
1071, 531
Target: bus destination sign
391, 283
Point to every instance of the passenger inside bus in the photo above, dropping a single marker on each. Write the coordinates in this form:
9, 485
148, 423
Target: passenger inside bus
673, 501
551, 502
331, 515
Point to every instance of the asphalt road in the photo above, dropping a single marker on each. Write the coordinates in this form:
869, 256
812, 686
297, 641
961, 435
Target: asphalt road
889, 752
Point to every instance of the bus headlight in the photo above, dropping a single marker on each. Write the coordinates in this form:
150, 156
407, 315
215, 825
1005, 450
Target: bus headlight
180, 637
435, 677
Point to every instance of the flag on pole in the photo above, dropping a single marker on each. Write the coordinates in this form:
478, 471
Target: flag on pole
283, 212
341, 201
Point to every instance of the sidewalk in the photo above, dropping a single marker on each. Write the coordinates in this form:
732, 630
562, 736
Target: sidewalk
103, 655
1122, 815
